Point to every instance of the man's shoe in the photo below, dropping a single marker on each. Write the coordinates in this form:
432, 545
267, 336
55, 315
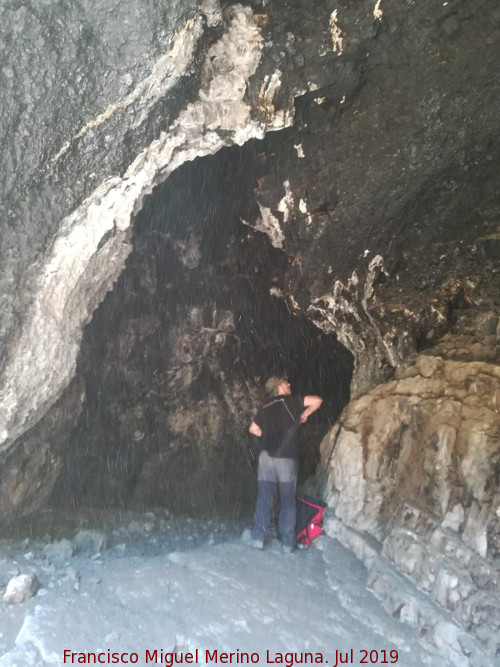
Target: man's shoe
249, 541
286, 548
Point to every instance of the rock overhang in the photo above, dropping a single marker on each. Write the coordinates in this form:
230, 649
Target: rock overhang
388, 138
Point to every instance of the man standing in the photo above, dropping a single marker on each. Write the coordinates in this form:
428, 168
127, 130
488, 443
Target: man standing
277, 424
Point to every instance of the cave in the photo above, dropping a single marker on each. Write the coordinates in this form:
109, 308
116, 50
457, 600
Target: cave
196, 195
174, 356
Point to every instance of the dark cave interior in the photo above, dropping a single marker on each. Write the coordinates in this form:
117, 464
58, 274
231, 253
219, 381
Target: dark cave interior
191, 320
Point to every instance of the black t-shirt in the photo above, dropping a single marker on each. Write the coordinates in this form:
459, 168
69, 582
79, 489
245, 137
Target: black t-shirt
280, 420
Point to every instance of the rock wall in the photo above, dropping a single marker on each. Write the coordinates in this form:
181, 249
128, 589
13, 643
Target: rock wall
389, 214
117, 100
414, 463
381, 196
89, 241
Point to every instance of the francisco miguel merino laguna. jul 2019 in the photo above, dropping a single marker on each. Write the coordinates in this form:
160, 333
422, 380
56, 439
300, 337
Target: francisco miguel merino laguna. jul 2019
207, 657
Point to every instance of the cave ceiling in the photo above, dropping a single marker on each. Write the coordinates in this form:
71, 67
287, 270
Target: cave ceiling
364, 138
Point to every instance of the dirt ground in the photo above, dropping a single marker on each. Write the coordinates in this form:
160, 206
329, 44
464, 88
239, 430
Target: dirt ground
153, 590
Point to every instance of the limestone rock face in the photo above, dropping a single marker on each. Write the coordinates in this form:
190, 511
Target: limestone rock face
380, 197
377, 213
101, 104
83, 245
431, 436
414, 464
30, 470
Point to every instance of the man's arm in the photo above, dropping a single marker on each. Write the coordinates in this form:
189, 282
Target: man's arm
311, 404
255, 430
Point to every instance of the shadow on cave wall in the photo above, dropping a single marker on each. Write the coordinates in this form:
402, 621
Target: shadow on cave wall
175, 357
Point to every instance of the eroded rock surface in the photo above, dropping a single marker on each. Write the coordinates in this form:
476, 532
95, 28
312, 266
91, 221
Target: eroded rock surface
414, 464
380, 199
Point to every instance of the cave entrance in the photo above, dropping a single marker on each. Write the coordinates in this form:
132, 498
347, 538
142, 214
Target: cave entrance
176, 356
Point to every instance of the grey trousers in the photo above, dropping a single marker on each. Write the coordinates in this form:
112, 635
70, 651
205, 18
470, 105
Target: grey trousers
271, 473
